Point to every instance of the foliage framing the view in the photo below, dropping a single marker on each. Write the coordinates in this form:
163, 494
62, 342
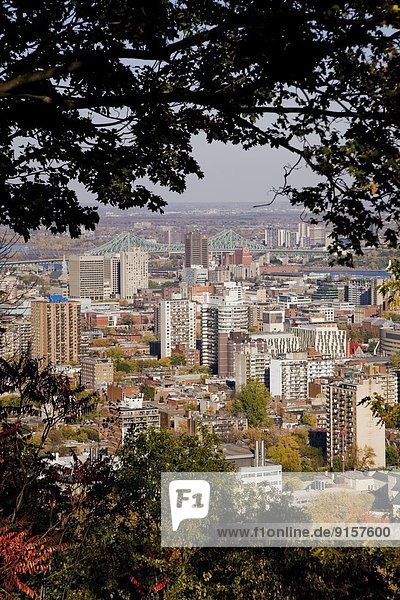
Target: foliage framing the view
109, 94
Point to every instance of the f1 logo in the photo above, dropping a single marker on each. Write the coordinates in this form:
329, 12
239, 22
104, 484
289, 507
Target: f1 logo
189, 499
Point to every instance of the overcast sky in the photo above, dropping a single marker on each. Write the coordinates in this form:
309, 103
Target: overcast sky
236, 175
231, 175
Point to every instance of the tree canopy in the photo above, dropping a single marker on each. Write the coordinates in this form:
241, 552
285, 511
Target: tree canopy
252, 401
91, 529
108, 94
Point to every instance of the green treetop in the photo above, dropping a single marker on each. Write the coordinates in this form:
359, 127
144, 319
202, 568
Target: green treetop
252, 401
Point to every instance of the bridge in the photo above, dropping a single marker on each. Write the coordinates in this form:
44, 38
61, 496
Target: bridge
228, 241
38, 262
225, 241
126, 240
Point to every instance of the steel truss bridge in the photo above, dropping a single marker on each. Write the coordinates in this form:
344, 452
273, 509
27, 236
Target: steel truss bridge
226, 241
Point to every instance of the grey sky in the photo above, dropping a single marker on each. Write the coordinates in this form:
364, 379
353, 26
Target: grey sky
232, 175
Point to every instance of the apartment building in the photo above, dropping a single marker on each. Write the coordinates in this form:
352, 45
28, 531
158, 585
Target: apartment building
289, 378
221, 426
220, 317
56, 330
129, 418
250, 364
134, 272
175, 325
326, 340
351, 427
96, 373
15, 337
233, 344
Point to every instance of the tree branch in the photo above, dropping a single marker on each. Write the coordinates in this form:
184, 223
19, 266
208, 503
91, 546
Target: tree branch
165, 52
26, 78
211, 100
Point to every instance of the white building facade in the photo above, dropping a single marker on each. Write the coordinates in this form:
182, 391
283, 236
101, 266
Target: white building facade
175, 325
134, 272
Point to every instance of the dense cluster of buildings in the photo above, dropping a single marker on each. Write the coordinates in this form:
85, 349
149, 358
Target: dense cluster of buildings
306, 236
320, 344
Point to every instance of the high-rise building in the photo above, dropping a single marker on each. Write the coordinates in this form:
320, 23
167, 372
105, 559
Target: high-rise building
303, 238
86, 276
250, 365
363, 292
15, 337
271, 236
196, 249
312, 235
134, 272
291, 239
377, 297
112, 274
289, 378
56, 330
235, 344
352, 429
281, 238
220, 316
175, 325
317, 234
358, 292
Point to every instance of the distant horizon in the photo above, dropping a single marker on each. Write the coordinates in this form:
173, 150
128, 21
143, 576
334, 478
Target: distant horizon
205, 204
232, 176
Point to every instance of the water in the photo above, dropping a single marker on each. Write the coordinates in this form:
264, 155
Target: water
354, 273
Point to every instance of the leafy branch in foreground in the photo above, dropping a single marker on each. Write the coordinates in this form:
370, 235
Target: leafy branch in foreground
37, 390
110, 94
387, 414
22, 554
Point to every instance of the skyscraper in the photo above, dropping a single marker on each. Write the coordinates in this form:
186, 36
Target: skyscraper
56, 330
196, 249
310, 234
